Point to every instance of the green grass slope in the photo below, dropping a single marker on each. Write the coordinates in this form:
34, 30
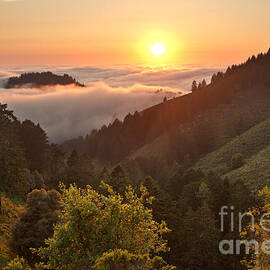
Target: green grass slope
157, 150
247, 144
218, 127
255, 173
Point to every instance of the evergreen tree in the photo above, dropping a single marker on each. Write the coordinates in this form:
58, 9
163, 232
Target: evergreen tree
118, 180
80, 170
164, 209
12, 159
204, 84
199, 240
194, 86
36, 223
35, 143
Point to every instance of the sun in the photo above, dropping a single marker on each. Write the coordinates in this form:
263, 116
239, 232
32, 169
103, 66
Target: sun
158, 49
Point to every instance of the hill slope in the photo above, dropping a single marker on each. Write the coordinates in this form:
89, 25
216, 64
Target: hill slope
248, 144
213, 119
209, 132
255, 173
194, 124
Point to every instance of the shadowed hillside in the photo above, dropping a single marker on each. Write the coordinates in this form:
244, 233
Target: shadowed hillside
233, 102
191, 155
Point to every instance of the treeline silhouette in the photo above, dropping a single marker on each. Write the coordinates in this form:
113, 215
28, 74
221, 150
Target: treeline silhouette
39, 79
114, 142
28, 161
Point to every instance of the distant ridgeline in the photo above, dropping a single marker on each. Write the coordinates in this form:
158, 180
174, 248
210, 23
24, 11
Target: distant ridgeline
198, 119
39, 79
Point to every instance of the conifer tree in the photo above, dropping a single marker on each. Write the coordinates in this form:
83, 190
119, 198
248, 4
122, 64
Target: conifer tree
36, 223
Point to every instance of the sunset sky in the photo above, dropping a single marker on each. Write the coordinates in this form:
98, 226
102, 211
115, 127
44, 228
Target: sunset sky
101, 32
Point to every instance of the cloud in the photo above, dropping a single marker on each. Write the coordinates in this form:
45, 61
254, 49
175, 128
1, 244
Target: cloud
68, 111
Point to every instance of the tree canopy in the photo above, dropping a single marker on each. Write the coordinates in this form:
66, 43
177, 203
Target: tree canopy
94, 227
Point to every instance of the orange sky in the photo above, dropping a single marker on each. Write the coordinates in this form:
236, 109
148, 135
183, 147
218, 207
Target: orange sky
101, 32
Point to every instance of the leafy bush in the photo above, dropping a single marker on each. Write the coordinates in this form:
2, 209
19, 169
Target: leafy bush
98, 230
21, 264
237, 161
123, 260
17, 264
8, 216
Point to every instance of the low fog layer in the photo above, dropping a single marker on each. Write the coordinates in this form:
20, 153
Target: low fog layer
66, 112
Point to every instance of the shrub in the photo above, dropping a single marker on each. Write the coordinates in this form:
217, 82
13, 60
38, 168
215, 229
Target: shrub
237, 161
21, 264
109, 231
17, 264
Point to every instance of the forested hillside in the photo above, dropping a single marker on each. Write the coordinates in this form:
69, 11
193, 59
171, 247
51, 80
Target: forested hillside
144, 193
217, 101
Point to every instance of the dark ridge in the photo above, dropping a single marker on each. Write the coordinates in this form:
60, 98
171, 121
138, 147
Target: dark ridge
40, 79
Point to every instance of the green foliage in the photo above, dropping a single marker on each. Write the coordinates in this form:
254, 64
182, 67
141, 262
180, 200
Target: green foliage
162, 205
21, 145
164, 209
123, 260
17, 264
260, 212
199, 240
21, 264
36, 223
80, 170
11, 171
115, 229
117, 179
157, 263
93, 225
249, 144
56, 167
219, 191
188, 195
255, 172
180, 178
9, 215
11, 154
35, 143
133, 170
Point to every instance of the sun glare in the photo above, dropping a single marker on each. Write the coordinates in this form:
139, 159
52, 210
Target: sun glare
158, 49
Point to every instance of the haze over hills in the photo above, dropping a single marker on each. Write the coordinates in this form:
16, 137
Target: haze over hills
191, 125
194, 154
67, 111
134, 135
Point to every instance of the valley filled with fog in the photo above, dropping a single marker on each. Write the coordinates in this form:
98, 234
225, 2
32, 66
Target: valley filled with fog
111, 92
